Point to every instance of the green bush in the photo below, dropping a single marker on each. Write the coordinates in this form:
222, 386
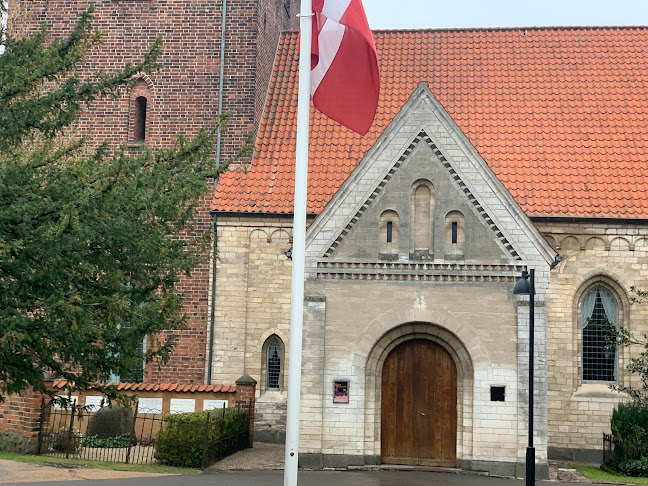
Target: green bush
107, 443
637, 468
181, 440
10, 442
109, 422
629, 423
64, 441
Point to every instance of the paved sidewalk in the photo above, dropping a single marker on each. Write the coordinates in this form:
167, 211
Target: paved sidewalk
26, 472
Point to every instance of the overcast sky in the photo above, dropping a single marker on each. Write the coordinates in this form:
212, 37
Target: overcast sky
418, 14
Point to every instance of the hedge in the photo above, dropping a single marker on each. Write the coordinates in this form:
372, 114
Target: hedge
181, 440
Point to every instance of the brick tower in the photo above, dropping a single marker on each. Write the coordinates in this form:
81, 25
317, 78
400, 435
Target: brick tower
181, 98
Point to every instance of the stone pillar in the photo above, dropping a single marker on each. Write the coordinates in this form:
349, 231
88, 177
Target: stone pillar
245, 391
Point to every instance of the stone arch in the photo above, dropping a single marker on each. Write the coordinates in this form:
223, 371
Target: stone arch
140, 105
389, 230
273, 339
422, 201
551, 240
258, 233
465, 380
570, 243
641, 244
455, 234
620, 244
623, 304
595, 243
279, 233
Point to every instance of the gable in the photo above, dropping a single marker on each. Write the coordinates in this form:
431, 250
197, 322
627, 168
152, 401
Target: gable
477, 238
423, 144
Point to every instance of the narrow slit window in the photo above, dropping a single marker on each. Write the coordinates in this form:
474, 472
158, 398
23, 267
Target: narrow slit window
140, 119
454, 232
390, 228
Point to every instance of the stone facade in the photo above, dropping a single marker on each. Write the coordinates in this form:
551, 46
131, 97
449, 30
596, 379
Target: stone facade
609, 253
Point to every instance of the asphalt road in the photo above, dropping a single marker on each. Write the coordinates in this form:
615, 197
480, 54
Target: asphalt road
306, 478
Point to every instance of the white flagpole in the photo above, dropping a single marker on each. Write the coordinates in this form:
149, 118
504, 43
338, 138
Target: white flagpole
298, 250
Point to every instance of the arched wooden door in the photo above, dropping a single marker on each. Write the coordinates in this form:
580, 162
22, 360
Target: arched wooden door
419, 405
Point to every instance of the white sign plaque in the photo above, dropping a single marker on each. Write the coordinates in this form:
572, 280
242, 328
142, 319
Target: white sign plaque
94, 403
214, 404
149, 405
183, 405
72, 399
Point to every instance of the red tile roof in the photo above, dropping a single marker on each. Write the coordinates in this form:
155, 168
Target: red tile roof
559, 114
60, 384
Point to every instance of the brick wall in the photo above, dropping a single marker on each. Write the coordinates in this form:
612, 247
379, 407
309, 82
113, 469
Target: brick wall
19, 414
183, 97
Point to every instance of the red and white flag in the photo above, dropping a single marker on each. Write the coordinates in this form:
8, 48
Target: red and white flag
345, 82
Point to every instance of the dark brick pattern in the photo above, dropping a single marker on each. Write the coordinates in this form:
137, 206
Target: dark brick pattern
182, 98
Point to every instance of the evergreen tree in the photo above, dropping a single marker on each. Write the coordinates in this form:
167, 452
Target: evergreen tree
89, 246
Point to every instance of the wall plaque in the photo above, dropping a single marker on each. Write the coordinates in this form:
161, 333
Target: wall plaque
182, 405
94, 403
341, 391
149, 405
214, 404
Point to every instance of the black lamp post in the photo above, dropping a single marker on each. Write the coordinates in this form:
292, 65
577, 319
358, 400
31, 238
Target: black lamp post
526, 286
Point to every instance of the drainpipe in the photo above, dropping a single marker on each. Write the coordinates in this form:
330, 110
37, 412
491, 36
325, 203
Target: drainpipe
220, 84
212, 317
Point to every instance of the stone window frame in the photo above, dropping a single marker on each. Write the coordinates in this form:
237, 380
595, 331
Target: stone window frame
412, 238
273, 338
454, 251
389, 215
623, 309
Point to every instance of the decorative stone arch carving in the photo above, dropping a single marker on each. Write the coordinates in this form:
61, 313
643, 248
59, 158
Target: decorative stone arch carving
455, 234
465, 380
389, 230
595, 243
570, 243
551, 240
620, 244
279, 234
422, 200
623, 308
140, 104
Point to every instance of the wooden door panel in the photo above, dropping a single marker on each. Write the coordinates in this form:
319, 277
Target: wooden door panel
419, 405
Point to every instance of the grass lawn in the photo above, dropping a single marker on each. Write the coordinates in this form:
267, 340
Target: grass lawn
595, 474
115, 466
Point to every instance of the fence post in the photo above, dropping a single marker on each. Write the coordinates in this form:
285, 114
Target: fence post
245, 392
41, 422
205, 443
132, 434
70, 433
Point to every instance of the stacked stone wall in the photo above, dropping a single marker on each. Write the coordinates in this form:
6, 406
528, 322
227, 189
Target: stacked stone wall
253, 278
616, 255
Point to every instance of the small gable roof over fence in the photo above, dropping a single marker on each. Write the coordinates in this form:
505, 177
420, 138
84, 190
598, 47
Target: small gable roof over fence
559, 114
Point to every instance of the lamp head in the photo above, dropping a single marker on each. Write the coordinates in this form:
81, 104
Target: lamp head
523, 286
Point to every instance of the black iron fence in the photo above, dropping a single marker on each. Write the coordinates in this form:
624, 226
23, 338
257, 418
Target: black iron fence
141, 436
614, 451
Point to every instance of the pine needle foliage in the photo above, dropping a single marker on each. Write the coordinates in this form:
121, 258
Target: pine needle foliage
89, 245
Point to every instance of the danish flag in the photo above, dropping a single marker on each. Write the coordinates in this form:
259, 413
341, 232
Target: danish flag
345, 82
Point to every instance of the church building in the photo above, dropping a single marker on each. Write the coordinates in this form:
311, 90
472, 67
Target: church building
493, 151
